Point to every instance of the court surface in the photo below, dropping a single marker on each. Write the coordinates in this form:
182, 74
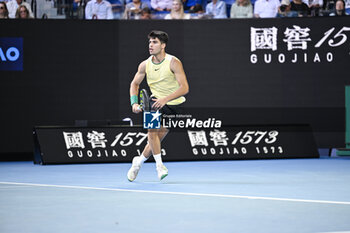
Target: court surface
294, 195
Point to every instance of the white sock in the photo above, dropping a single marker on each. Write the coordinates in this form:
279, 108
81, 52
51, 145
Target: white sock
158, 159
142, 159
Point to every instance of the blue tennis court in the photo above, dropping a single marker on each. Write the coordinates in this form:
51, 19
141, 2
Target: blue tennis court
291, 195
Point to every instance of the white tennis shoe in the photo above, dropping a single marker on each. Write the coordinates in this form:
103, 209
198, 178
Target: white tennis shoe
162, 172
135, 168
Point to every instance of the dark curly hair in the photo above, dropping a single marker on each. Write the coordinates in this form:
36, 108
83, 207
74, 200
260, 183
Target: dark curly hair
162, 36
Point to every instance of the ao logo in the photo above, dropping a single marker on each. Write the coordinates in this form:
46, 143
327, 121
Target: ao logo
11, 54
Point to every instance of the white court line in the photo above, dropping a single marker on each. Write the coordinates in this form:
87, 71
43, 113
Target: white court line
182, 193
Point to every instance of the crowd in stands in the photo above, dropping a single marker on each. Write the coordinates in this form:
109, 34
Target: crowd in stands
188, 9
15, 9
217, 9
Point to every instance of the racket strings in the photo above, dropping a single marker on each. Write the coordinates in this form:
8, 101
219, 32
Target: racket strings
144, 100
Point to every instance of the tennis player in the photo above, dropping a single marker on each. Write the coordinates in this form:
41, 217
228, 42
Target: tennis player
168, 83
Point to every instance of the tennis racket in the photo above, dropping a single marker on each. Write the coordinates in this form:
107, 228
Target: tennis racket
144, 100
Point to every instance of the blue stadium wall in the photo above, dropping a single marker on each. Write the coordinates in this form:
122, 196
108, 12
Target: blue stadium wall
252, 71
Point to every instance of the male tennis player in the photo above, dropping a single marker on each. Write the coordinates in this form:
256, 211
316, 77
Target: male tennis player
168, 83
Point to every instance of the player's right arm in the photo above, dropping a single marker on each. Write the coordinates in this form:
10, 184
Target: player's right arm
135, 84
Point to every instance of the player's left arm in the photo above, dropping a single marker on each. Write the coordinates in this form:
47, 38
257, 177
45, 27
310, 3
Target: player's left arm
178, 70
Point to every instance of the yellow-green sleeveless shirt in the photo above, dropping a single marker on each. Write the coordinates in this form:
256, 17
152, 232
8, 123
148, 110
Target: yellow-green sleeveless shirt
161, 80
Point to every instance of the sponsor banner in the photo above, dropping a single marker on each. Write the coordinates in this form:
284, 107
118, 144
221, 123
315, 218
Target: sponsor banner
297, 44
88, 145
57, 145
11, 53
253, 142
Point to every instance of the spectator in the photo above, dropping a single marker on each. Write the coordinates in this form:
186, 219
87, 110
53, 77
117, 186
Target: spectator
197, 12
284, 10
339, 8
133, 9
161, 5
13, 5
315, 6
177, 11
22, 12
197, 9
98, 9
117, 8
242, 9
266, 8
217, 9
300, 7
328, 5
4, 13
146, 13
190, 4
